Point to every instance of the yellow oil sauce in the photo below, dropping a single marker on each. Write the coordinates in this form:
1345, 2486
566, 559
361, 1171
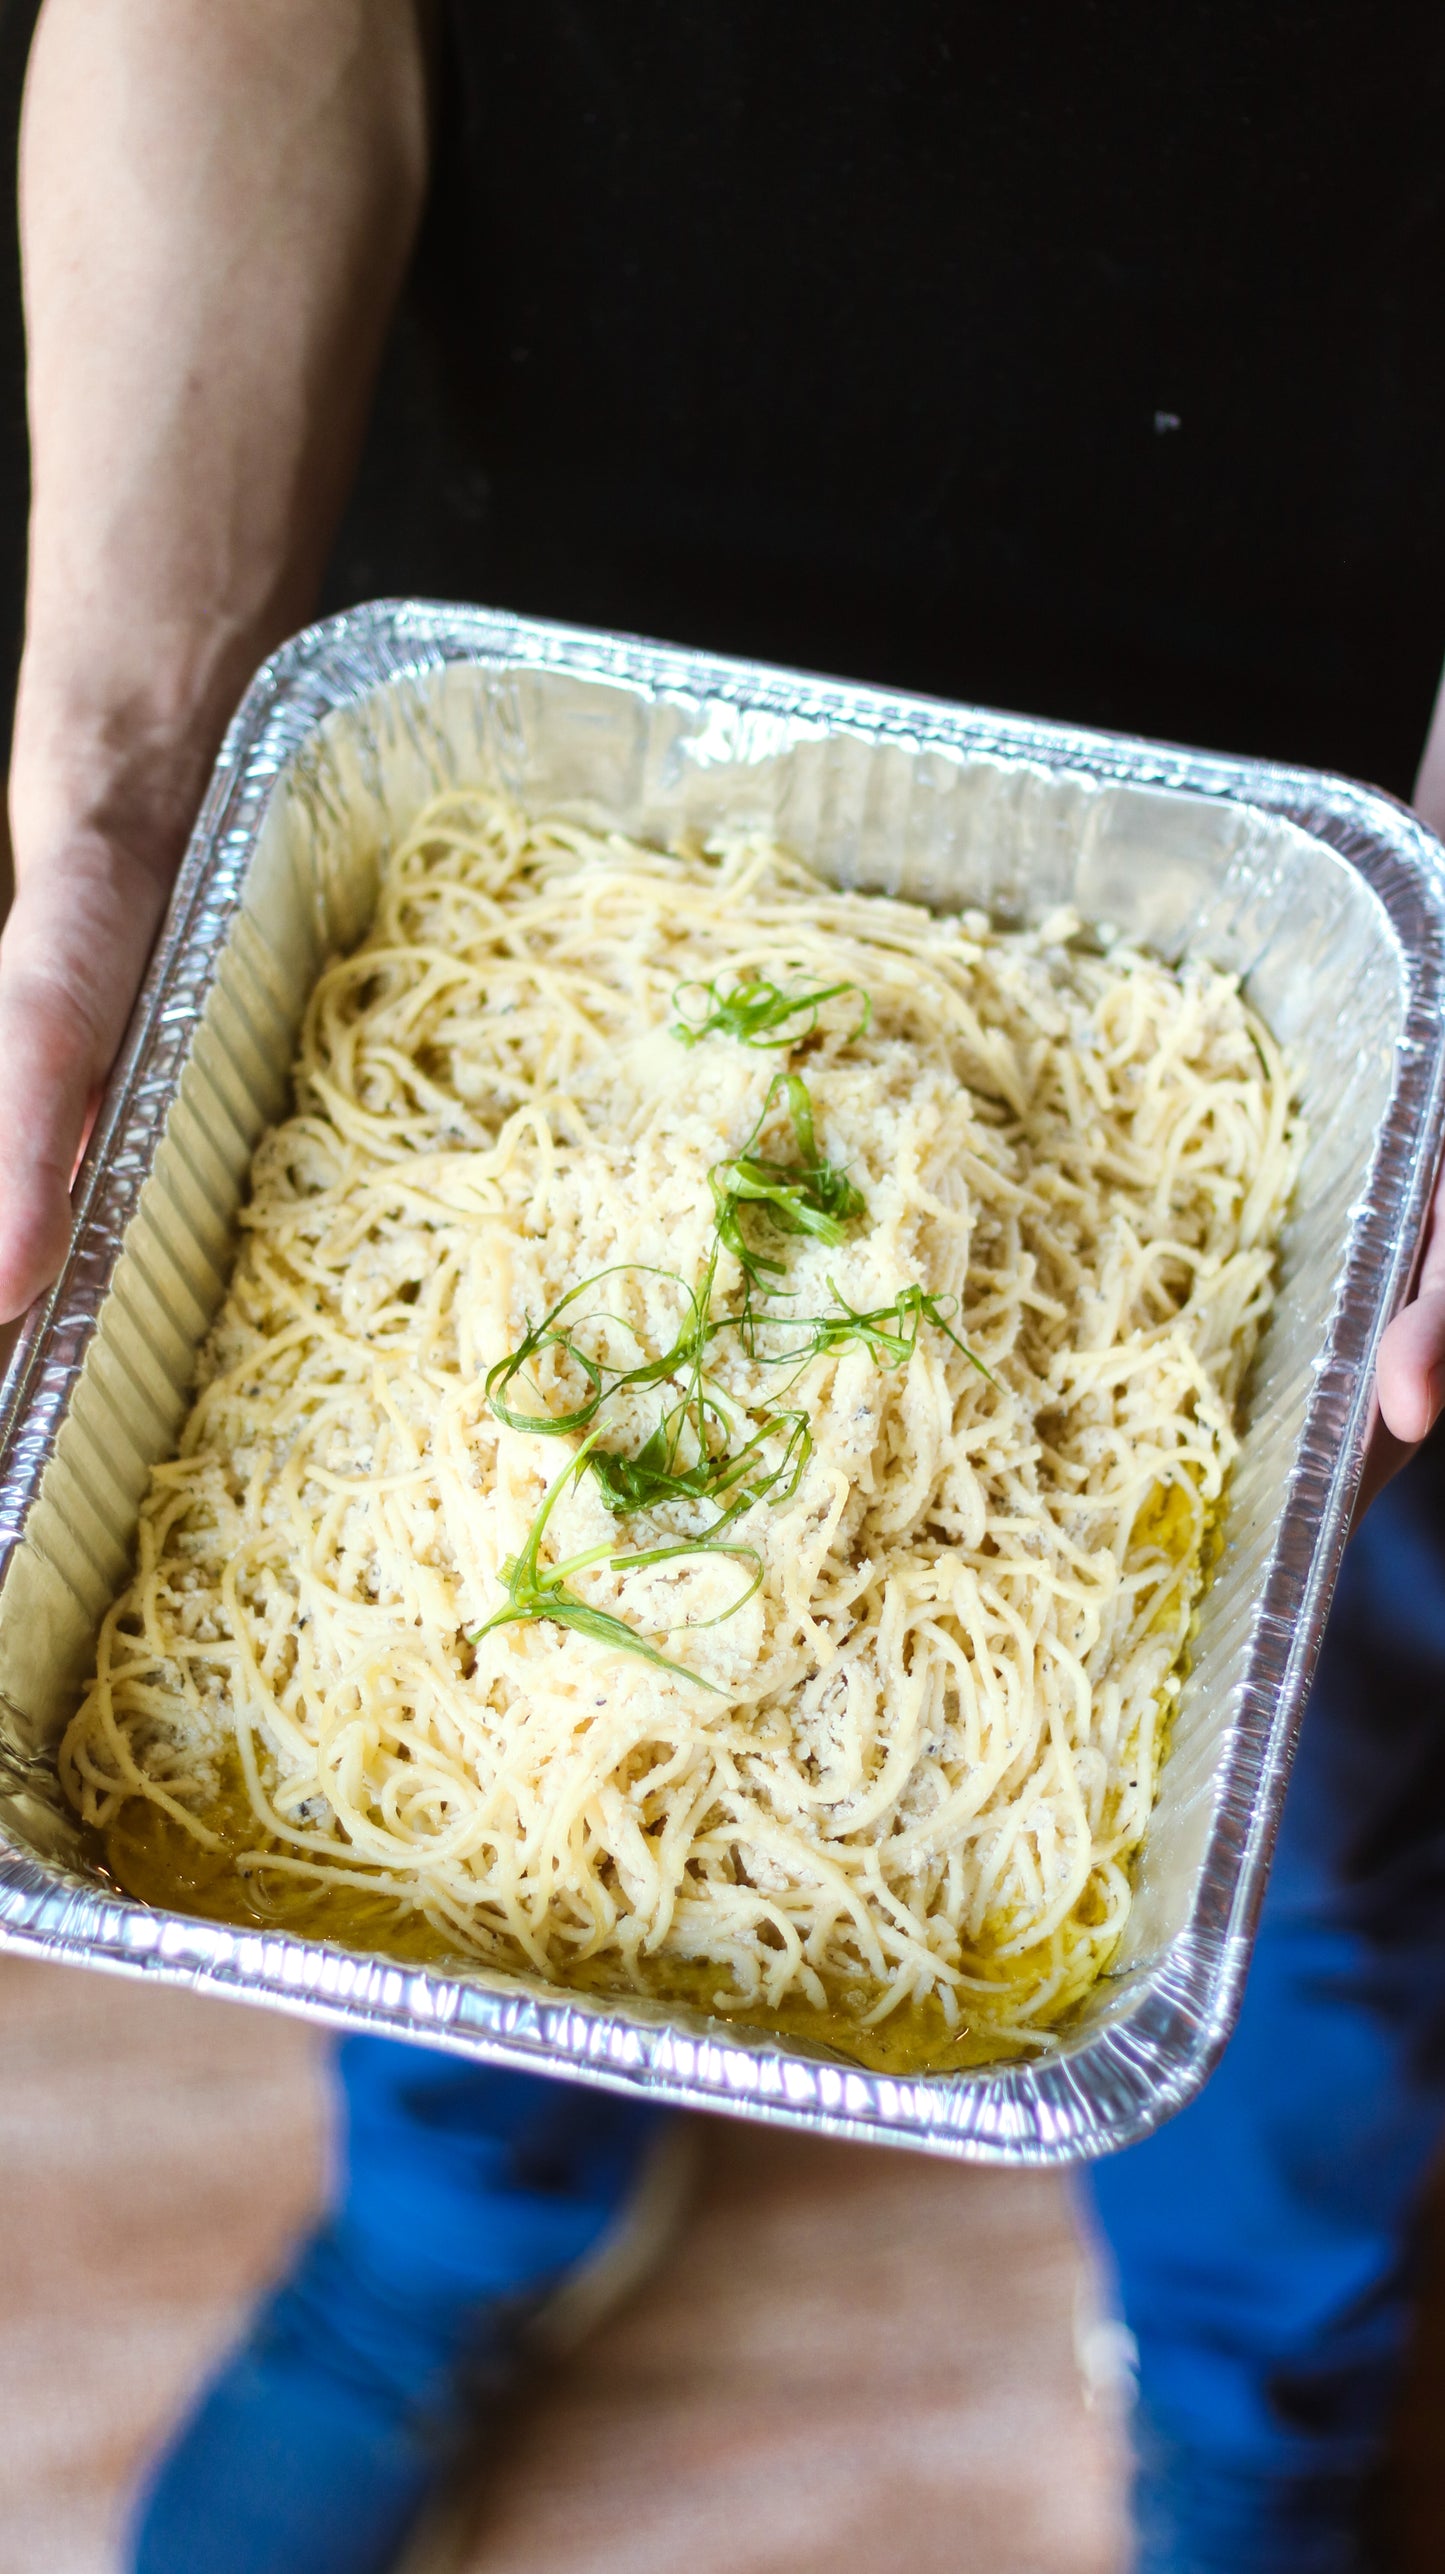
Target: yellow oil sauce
1166, 1521
155, 1859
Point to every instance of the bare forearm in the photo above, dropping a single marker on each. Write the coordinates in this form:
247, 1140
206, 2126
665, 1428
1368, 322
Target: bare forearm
217, 202
218, 199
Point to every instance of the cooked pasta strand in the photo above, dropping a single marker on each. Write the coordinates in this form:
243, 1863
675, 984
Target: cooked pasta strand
929, 1740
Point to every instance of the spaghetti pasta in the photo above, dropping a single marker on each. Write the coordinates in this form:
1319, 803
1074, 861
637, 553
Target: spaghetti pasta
701, 1477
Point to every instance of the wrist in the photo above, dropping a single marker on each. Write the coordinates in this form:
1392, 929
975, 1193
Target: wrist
115, 747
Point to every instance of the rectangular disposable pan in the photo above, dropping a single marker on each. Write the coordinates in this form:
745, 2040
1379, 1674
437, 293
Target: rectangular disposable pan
1330, 899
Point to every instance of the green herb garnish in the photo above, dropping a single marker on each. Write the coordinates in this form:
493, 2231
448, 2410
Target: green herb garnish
535, 1590
808, 1196
889, 1333
652, 1478
753, 1009
649, 1478
603, 1378
687, 1456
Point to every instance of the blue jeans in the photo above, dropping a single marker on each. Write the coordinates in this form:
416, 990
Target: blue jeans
465, 2196
465, 2184
1262, 2241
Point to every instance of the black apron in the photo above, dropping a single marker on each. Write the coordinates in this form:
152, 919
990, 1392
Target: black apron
1086, 359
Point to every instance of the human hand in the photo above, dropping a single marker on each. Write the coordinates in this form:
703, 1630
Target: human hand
70, 962
1409, 1393
96, 843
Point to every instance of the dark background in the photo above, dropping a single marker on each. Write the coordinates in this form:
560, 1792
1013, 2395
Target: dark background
1087, 361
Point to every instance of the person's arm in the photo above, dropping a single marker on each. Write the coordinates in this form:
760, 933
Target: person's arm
1410, 1382
218, 201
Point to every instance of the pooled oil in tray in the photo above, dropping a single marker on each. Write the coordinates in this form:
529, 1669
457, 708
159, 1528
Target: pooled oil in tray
156, 1860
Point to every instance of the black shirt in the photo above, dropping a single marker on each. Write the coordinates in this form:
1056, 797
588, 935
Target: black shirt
1083, 358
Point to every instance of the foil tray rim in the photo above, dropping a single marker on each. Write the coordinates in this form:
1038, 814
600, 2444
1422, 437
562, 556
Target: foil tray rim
1116, 2083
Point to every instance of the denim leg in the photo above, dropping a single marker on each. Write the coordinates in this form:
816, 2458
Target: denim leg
464, 2195
473, 2182
1263, 2240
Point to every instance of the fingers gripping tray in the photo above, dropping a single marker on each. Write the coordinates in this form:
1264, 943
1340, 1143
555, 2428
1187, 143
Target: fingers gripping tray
1327, 898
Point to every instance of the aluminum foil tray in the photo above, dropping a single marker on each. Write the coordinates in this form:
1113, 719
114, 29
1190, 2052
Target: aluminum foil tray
1329, 898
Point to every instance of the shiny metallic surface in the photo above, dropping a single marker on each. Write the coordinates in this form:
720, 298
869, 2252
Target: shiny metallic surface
1329, 899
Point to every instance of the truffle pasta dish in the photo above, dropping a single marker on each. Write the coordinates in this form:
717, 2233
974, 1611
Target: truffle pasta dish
701, 1479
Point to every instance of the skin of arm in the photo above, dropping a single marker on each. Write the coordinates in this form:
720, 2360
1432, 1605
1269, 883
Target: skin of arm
1410, 1379
218, 202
